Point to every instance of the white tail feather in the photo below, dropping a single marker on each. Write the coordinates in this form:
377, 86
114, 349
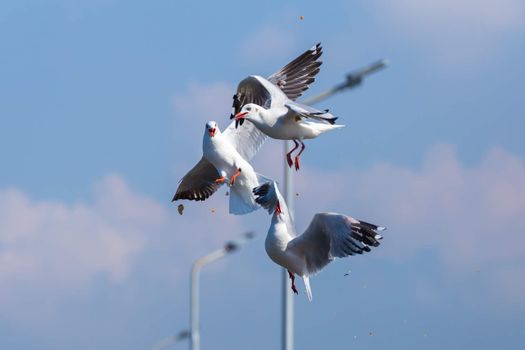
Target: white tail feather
306, 281
241, 201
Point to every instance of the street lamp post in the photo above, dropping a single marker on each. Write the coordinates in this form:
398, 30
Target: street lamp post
353, 79
228, 248
194, 333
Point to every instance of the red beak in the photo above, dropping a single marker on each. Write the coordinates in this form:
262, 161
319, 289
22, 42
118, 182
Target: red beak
212, 132
278, 208
240, 115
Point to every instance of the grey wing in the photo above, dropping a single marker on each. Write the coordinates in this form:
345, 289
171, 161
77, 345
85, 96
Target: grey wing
268, 196
331, 236
199, 183
250, 90
246, 140
305, 111
295, 78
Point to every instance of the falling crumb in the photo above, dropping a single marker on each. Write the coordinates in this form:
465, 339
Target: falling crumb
297, 193
213, 211
301, 17
346, 274
227, 193
370, 333
180, 209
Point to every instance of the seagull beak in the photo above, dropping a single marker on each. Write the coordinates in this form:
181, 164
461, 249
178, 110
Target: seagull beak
212, 132
240, 115
278, 208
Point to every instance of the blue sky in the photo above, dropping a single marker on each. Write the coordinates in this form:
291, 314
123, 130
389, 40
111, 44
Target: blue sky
102, 105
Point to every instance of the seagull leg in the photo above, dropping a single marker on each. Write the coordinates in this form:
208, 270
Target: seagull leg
234, 177
298, 154
220, 180
289, 154
292, 277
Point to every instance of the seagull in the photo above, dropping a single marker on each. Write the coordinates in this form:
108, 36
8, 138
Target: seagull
329, 236
225, 159
269, 103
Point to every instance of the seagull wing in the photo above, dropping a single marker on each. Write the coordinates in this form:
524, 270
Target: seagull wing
246, 140
295, 78
250, 90
305, 111
199, 183
331, 236
268, 196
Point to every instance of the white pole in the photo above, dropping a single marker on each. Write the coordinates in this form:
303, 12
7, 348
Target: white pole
287, 296
352, 80
229, 247
195, 338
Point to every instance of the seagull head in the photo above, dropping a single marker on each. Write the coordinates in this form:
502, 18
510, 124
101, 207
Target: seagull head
249, 111
211, 128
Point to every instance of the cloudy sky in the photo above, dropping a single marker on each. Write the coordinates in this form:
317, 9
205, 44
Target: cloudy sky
102, 108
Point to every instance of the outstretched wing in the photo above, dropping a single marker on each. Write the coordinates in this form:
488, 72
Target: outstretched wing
199, 183
246, 140
268, 196
250, 90
331, 236
305, 111
295, 78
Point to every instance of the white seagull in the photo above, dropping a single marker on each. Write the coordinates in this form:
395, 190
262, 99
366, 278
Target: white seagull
329, 236
269, 103
225, 160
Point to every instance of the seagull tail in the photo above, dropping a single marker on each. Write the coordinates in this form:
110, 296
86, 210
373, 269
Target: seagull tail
241, 201
306, 281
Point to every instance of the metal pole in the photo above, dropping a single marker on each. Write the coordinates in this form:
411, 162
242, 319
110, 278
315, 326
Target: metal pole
287, 297
353, 79
194, 284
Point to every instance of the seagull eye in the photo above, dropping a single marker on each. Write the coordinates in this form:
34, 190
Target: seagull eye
249, 109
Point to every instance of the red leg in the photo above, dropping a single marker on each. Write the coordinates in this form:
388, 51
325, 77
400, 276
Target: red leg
298, 154
289, 154
292, 277
234, 176
220, 180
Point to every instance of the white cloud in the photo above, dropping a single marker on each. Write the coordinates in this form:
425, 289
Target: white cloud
51, 251
453, 32
472, 217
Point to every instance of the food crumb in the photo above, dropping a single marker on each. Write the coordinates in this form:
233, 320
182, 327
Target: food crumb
180, 209
301, 17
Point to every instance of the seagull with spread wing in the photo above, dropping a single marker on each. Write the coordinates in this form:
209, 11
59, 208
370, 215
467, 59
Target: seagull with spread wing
269, 103
225, 159
328, 236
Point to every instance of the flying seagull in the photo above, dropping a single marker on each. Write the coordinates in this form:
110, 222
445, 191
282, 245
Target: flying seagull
225, 160
329, 236
269, 103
